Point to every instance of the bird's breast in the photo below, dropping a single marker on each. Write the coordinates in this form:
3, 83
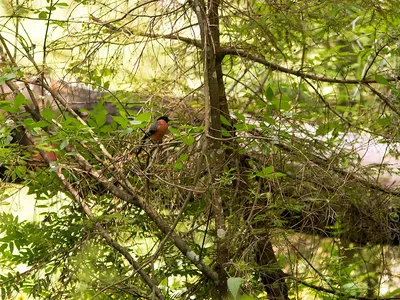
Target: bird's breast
162, 129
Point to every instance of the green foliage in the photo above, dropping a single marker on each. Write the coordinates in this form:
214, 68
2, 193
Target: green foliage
234, 286
6, 76
269, 172
299, 77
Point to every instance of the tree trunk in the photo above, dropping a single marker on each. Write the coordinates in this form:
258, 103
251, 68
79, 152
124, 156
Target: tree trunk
209, 29
272, 276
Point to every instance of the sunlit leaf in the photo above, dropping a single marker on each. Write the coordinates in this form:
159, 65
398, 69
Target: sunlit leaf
144, 117
188, 140
123, 122
48, 114
64, 144
234, 286
20, 100
100, 118
42, 15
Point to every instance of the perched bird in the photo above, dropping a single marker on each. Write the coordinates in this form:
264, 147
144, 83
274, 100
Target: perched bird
156, 131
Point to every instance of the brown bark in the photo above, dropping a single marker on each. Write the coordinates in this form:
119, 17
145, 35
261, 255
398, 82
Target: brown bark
213, 89
272, 276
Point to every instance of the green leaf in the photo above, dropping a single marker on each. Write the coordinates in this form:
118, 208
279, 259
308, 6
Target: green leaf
343, 108
396, 292
381, 80
259, 103
240, 116
351, 288
20, 171
323, 129
144, 117
240, 127
277, 175
18, 243
91, 123
42, 15
269, 173
178, 166
188, 140
6, 77
183, 157
101, 118
8, 106
384, 121
226, 133
174, 131
64, 144
11, 246
269, 93
20, 100
108, 128
41, 124
225, 121
234, 286
269, 120
268, 170
123, 122
47, 113
281, 104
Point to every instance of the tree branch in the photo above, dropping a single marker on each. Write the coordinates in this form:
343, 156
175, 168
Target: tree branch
132, 197
334, 292
385, 99
222, 51
110, 241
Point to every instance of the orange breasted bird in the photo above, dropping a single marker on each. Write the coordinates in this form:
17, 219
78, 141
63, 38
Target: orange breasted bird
156, 131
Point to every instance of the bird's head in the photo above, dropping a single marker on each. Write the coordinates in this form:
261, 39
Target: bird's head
165, 118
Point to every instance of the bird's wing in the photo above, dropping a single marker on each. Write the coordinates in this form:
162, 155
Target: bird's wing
153, 129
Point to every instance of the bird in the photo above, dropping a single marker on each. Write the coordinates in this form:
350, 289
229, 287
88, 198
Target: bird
156, 131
